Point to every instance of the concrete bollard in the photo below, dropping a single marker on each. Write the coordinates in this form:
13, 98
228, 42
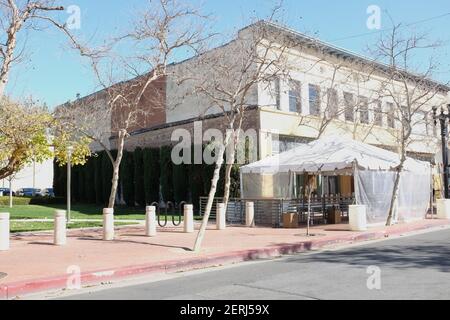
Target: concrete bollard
250, 214
188, 218
150, 221
443, 209
4, 231
357, 216
221, 221
108, 224
59, 231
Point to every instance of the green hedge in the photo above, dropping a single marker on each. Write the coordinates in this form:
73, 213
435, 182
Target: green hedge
166, 175
98, 179
139, 189
127, 178
180, 183
59, 179
144, 174
107, 168
151, 174
24, 201
90, 181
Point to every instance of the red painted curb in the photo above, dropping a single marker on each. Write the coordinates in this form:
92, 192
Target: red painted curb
8, 291
3, 292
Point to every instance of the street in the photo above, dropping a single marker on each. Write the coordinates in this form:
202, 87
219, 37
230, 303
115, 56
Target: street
414, 267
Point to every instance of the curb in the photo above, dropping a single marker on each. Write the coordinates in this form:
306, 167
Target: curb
11, 290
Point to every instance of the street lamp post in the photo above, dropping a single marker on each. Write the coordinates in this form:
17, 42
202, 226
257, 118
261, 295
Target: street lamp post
69, 166
443, 119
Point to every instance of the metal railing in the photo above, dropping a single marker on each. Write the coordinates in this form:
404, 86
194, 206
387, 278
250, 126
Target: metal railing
269, 212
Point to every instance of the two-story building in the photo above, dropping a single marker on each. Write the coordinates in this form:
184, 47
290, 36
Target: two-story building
329, 91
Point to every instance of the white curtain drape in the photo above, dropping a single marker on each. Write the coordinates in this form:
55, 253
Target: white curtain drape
374, 188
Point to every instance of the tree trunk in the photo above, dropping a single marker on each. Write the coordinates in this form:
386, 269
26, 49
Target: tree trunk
226, 193
394, 196
308, 218
229, 166
116, 168
230, 162
405, 137
212, 194
9, 53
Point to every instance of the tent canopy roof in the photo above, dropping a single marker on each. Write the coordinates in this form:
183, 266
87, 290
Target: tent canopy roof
331, 154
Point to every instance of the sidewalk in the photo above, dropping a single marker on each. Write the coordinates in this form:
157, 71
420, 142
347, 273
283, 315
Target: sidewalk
33, 264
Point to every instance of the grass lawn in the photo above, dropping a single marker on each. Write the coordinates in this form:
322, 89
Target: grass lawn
77, 212
82, 211
24, 226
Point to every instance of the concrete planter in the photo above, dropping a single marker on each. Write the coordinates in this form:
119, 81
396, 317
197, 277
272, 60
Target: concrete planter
443, 209
357, 218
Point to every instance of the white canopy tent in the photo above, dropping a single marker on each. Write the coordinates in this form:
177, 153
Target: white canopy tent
373, 170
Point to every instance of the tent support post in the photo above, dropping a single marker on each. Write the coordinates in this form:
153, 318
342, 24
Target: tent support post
431, 193
322, 183
355, 183
241, 184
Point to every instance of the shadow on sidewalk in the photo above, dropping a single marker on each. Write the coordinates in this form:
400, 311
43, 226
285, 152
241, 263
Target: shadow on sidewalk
135, 242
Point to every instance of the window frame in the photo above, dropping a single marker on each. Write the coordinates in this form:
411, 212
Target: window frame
390, 122
295, 92
332, 103
378, 114
316, 103
349, 98
363, 106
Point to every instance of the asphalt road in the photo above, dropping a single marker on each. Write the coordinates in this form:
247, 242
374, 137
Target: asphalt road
416, 267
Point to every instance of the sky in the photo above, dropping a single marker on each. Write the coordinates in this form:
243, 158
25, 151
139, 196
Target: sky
54, 74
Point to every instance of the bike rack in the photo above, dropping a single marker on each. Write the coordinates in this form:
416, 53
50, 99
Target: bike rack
180, 209
158, 215
169, 208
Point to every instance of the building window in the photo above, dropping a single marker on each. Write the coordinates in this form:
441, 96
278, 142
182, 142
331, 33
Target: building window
349, 104
275, 92
295, 96
285, 143
406, 119
390, 115
378, 117
314, 100
420, 123
333, 102
363, 110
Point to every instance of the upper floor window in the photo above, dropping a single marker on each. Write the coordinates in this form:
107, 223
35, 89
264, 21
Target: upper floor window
420, 123
390, 115
363, 110
295, 96
349, 104
314, 100
332, 103
406, 117
275, 92
378, 114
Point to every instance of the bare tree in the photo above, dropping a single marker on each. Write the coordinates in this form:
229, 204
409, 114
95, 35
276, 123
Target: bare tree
231, 85
409, 88
17, 16
160, 32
